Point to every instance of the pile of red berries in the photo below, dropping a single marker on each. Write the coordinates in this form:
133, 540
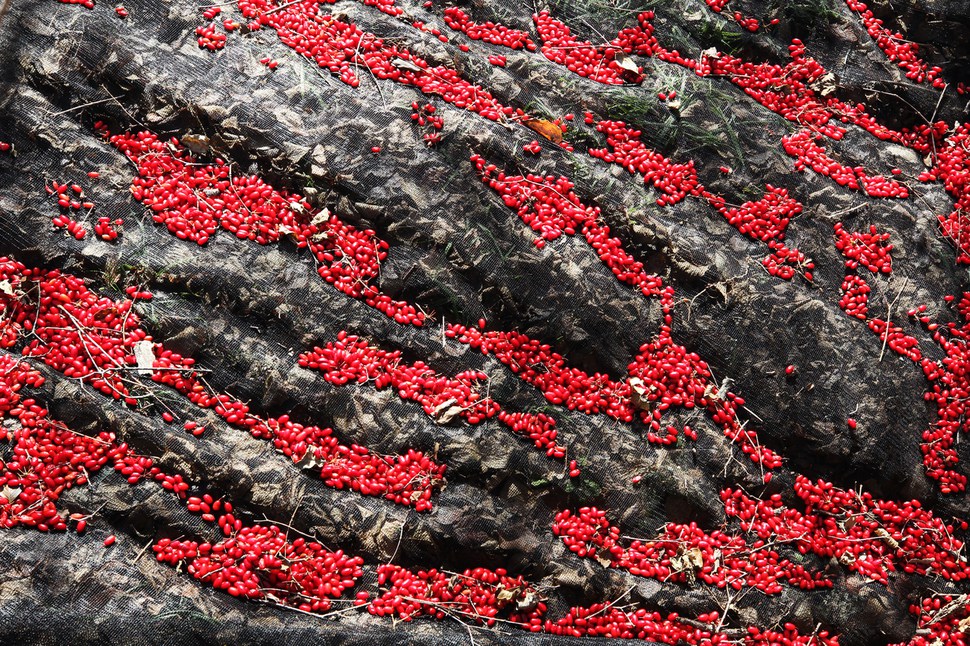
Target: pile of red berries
896, 338
802, 145
749, 23
105, 228
73, 330
192, 200
596, 62
683, 553
766, 219
350, 359
385, 6
953, 168
897, 49
868, 249
258, 562
489, 32
209, 38
338, 45
533, 147
551, 207
477, 596
538, 427
855, 297
942, 621
624, 147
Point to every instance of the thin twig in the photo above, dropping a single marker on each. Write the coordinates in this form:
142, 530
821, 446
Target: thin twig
83, 105
889, 312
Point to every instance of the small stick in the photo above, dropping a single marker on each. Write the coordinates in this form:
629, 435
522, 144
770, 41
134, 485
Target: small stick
83, 105
889, 311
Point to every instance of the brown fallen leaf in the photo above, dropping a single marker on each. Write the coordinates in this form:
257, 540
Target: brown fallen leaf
547, 129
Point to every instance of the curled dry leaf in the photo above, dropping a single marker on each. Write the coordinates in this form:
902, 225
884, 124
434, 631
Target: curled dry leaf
446, 411
10, 493
638, 394
626, 63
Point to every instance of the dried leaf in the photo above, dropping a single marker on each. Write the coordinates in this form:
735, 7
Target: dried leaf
638, 394
547, 129
6, 287
527, 601
626, 63
404, 64
688, 560
696, 557
506, 595
322, 217
144, 356
10, 493
308, 461
602, 560
826, 84
446, 411
196, 143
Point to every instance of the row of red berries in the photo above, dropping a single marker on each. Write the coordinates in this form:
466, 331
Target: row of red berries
663, 375
94, 338
352, 360
489, 32
866, 535
259, 562
897, 49
551, 207
683, 554
193, 200
802, 145
339, 46
601, 63
766, 219
484, 597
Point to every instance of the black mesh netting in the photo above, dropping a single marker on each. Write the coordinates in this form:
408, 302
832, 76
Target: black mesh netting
245, 312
